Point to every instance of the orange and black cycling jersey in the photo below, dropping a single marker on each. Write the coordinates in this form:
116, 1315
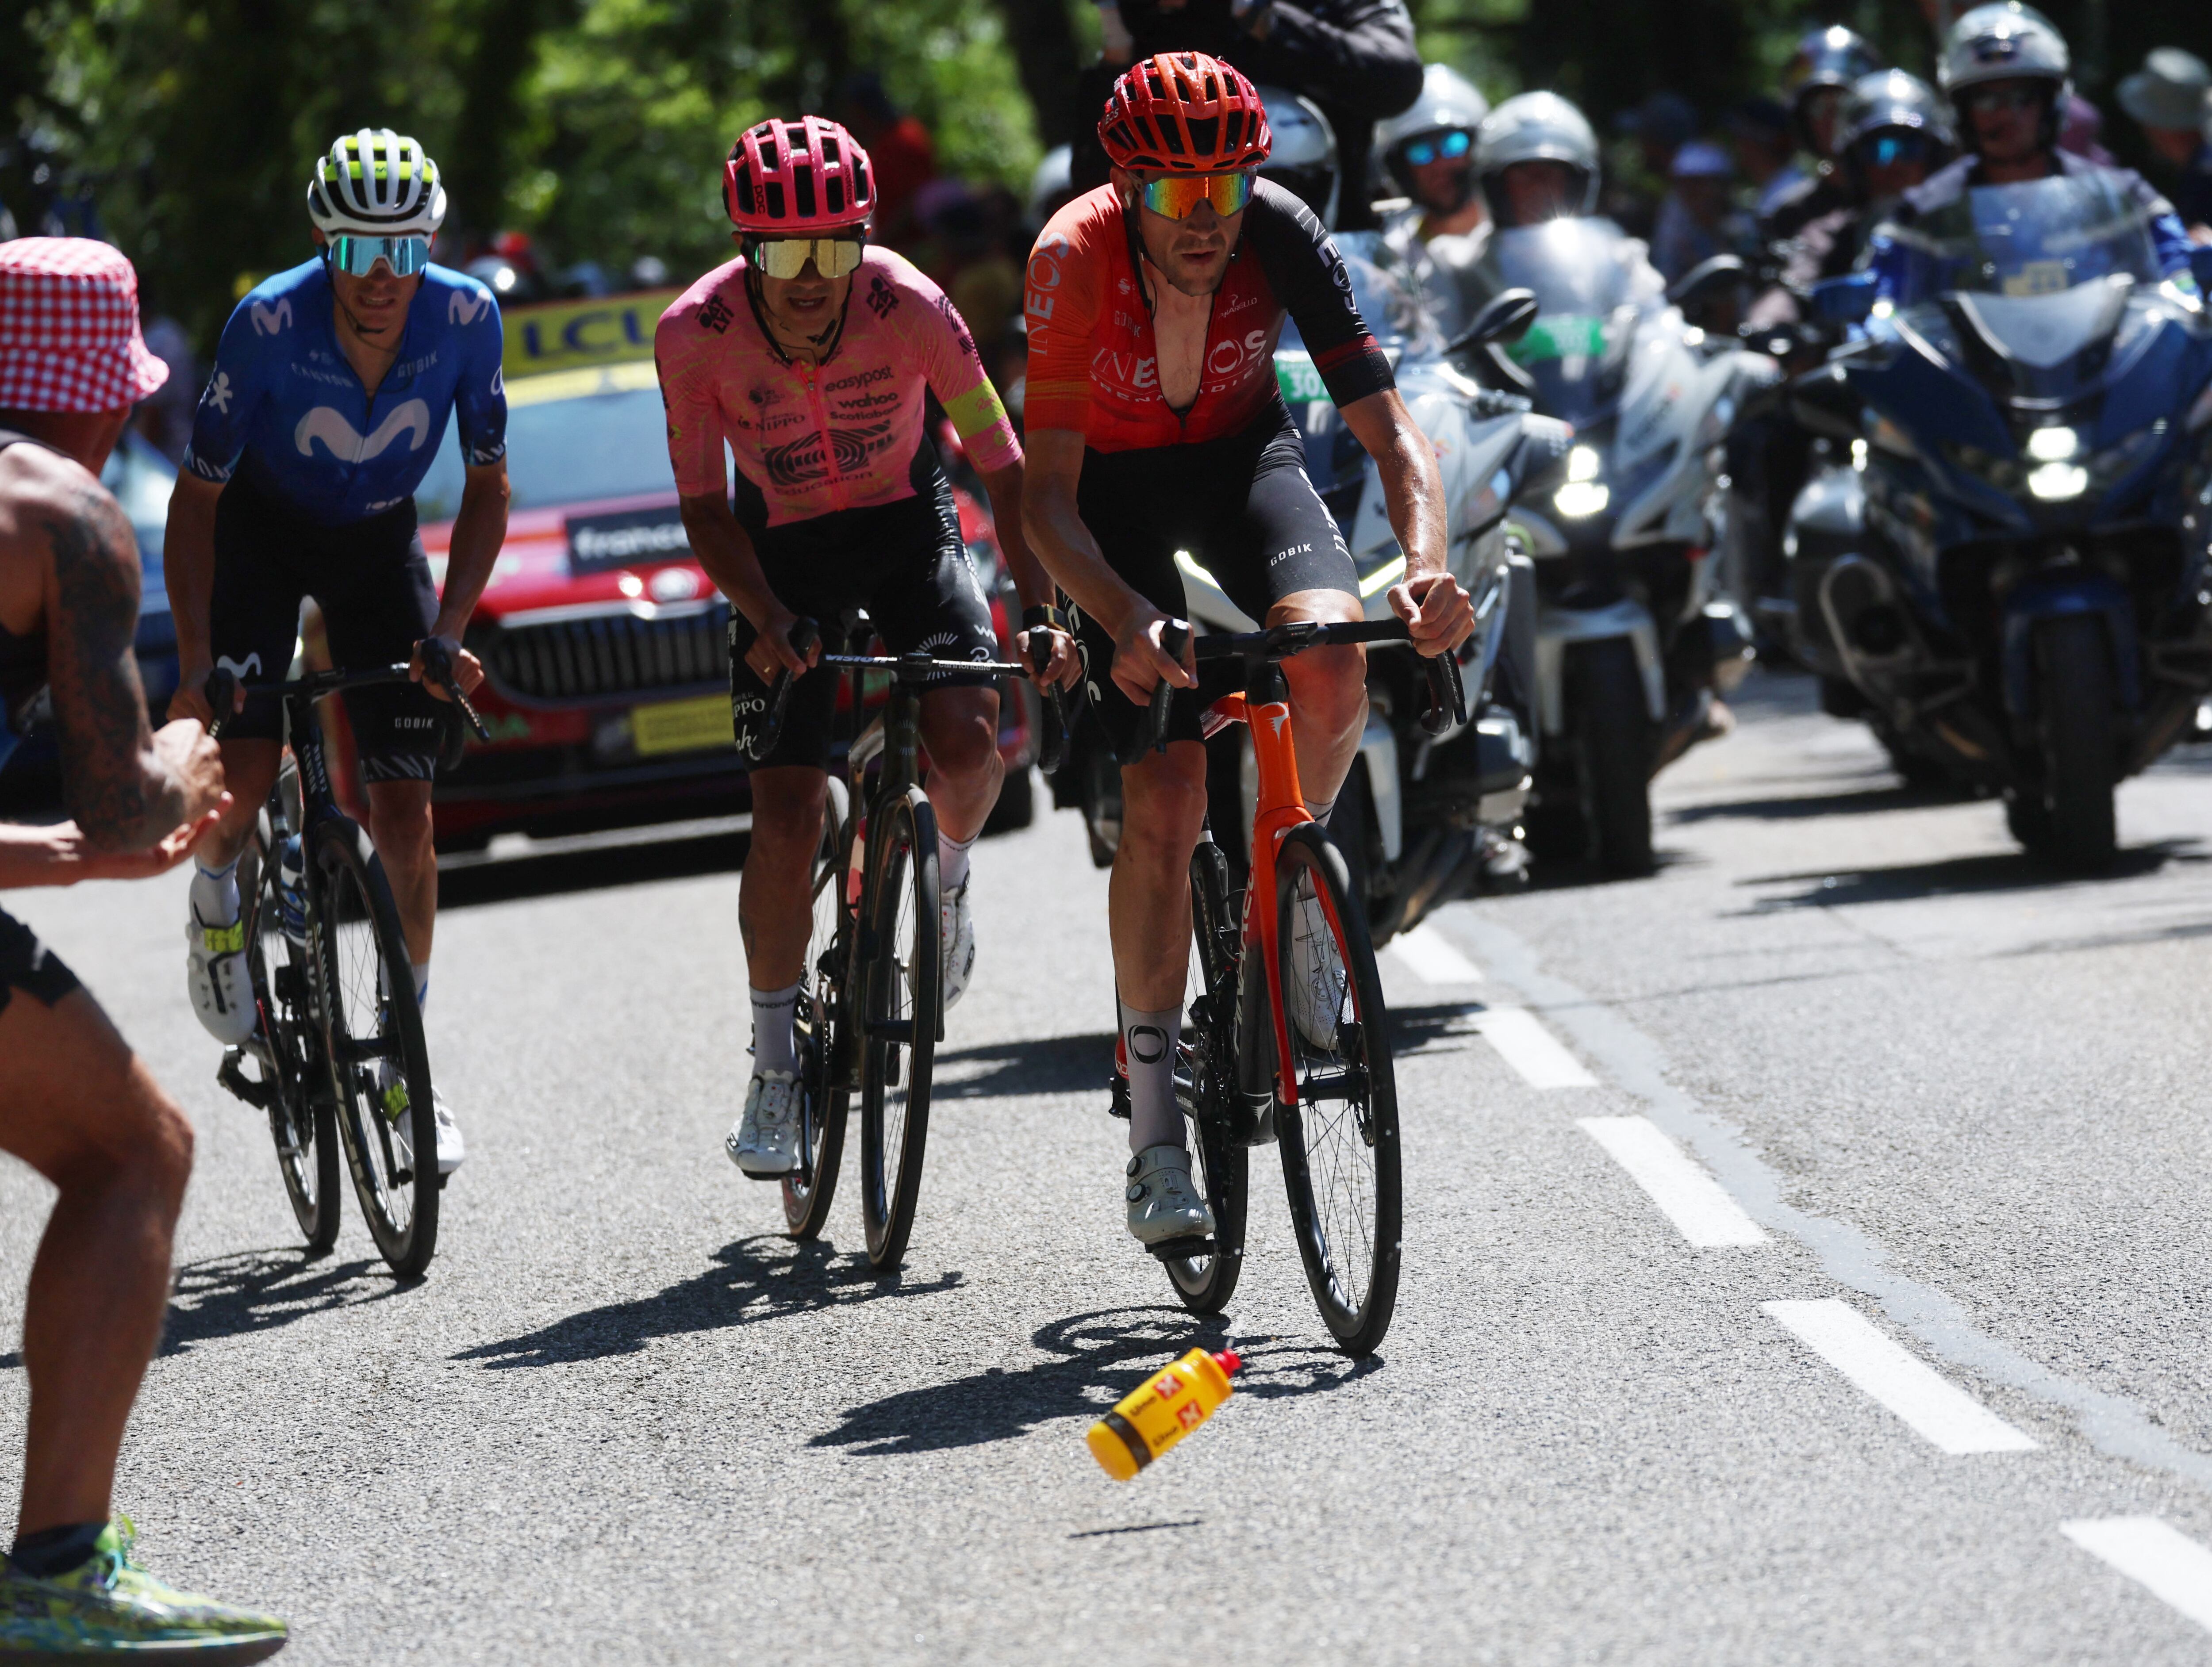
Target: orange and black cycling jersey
1093, 362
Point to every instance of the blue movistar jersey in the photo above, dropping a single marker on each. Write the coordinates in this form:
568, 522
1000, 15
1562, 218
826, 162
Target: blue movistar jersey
284, 409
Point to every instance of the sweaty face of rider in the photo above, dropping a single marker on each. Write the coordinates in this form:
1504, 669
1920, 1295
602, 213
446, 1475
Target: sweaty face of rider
378, 302
807, 304
1191, 253
1539, 190
2007, 118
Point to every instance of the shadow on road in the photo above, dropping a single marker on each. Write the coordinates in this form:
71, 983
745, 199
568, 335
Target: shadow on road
1993, 871
228, 1296
1045, 1064
1098, 1358
640, 862
763, 1278
1866, 801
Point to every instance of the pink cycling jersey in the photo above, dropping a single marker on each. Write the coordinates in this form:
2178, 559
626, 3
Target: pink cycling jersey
812, 440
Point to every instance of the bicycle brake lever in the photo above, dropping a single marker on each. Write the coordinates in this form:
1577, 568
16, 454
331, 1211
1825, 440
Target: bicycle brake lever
805, 635
1175, 637
221, 690
1446, 707
1052, 745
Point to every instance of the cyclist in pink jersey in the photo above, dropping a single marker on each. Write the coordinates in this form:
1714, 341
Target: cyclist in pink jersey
810, 355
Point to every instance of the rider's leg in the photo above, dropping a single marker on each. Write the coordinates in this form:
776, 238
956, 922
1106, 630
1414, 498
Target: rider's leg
1148, 914
775, 912
80, 1108
249, 771
401, 828
960, 729
1328, 697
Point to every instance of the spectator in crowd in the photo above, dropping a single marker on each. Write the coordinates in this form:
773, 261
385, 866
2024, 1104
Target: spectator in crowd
1661, 125
1826, 63
1765, 156
2170, 99
1697, 220
899, 145
165, 417
1354, 58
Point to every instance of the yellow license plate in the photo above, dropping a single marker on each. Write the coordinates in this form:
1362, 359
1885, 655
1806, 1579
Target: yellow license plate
681, 726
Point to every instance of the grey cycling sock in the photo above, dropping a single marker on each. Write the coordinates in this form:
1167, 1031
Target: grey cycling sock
1149, 1041
775, 1042
952, 861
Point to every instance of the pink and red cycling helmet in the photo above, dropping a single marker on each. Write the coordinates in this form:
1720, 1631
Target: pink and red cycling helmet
797, 180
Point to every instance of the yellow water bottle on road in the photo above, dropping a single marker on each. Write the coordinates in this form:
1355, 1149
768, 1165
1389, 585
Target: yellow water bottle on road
1168, 1406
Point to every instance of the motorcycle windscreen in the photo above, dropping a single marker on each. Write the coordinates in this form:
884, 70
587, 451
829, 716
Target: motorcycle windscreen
1576, 350
2040, 238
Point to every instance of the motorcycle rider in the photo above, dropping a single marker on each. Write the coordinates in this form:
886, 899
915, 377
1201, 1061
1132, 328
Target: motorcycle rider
1826, 64
1428, 153
2008, 74
1304, 161
1536, 157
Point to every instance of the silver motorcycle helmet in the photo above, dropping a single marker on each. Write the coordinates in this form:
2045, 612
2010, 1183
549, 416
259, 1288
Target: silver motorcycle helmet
1535, 127
2005, 41
1892, 101
1829, 60
1448, 103
1303, 158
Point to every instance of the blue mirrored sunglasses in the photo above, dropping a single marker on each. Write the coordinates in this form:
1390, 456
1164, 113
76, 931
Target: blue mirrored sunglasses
1886, 149
405, 256
1422, 152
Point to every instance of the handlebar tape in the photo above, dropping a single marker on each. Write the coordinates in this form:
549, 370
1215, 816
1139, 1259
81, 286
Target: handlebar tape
1175, 637
1052, 745
1447, 702
806, 635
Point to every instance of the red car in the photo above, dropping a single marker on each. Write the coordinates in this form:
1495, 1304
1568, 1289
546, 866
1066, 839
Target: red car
606, 685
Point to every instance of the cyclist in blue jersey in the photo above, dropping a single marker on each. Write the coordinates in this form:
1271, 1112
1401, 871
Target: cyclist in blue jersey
330, 392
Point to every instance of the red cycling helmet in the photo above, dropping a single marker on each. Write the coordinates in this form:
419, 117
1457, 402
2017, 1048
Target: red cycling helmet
799, 179
1184, 113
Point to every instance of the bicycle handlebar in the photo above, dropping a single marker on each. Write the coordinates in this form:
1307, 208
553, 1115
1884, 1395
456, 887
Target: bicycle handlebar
224, 688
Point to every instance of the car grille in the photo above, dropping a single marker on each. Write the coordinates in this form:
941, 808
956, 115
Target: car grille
602, 655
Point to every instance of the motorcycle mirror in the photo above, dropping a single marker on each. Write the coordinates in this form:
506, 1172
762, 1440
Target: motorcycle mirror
1823, 403
1505, 318
1705, 281
1845, 300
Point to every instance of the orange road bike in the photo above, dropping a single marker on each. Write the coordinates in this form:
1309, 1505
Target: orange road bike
1286, 1037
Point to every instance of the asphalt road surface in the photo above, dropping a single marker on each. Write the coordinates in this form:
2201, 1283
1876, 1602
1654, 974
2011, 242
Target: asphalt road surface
1805, 1262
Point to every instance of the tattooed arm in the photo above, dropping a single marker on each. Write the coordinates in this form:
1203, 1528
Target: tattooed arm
127, 786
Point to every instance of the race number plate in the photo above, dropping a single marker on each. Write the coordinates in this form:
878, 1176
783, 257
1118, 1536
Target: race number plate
681, 726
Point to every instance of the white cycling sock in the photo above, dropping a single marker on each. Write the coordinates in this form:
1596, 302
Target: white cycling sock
952, 862
215, 892
1319, 809
775, 1040
1149, 1041
422, 970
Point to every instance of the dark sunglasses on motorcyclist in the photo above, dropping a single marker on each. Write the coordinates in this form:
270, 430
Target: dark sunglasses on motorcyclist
786, 257
1450, 146
2001, 97
358, 256
1176, 196
1883, 150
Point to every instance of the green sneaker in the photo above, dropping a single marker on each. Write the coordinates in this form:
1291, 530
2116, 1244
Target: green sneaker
109, 1606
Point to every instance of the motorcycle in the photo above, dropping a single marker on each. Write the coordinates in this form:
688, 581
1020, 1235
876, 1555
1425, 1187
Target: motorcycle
1423, 819
2011, 572
1634, 639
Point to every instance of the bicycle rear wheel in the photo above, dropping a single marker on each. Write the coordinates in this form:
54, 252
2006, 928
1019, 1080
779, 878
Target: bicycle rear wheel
901, 1007
379, 1070
289, 1048
1340, 1157
824, 1073
1207, 1282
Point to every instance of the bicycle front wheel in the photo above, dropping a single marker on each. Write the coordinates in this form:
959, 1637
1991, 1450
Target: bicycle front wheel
289, 1048
1206, 1080
824, 1073
1341, 1159
373, 1030
898, 977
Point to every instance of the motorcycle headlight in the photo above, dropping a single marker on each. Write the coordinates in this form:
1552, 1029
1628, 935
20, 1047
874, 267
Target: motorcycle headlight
1585, 494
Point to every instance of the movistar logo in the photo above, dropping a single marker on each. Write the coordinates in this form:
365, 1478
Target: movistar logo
466, 304
348, 444
268, 320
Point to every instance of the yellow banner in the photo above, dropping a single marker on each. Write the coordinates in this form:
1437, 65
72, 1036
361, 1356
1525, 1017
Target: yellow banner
566, 336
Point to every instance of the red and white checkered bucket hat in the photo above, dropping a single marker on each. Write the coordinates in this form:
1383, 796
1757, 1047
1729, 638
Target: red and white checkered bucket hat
69, 328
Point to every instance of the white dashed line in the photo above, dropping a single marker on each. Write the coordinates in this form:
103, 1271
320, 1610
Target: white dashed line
1932, 1405
1693, 1200
2168, 1563
1431, 957
1531, 1049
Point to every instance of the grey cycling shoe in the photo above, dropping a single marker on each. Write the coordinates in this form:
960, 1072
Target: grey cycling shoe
1164, 1201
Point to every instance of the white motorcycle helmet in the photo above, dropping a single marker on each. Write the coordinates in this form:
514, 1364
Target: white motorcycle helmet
1302, 160
376, 183
1052, 185
1535, 127
2005, 41
1448, 104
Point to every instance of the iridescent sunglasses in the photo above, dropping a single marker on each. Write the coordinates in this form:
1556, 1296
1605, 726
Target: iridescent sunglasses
1176, 196
1886, 149
405, 256
1450, 146
786, 257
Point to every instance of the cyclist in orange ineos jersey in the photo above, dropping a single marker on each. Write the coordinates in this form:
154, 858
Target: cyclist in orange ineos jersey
809, 355
1154, 425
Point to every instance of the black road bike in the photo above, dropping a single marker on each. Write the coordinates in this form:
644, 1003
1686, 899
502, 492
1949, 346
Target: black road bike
871, 1008
339, 1056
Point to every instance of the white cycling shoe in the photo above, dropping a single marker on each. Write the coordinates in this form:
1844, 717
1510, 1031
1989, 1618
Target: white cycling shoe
1164, 1199
956, 934
765, 1143
1315, 991
453, 1150
216, 979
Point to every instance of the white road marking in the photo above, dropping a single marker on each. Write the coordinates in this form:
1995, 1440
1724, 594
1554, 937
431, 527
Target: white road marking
1938, 1409
1693, 1200
1525, 1045
1431, 957
2173, 1566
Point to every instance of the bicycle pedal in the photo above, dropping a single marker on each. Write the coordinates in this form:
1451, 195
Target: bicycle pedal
1182, 1249
1117, 1088
773, 1180
229, 1075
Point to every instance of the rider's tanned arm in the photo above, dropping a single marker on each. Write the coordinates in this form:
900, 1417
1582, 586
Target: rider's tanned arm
115, 783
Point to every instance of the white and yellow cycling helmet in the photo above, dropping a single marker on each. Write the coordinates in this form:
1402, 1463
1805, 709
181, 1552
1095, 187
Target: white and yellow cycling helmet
376, 183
